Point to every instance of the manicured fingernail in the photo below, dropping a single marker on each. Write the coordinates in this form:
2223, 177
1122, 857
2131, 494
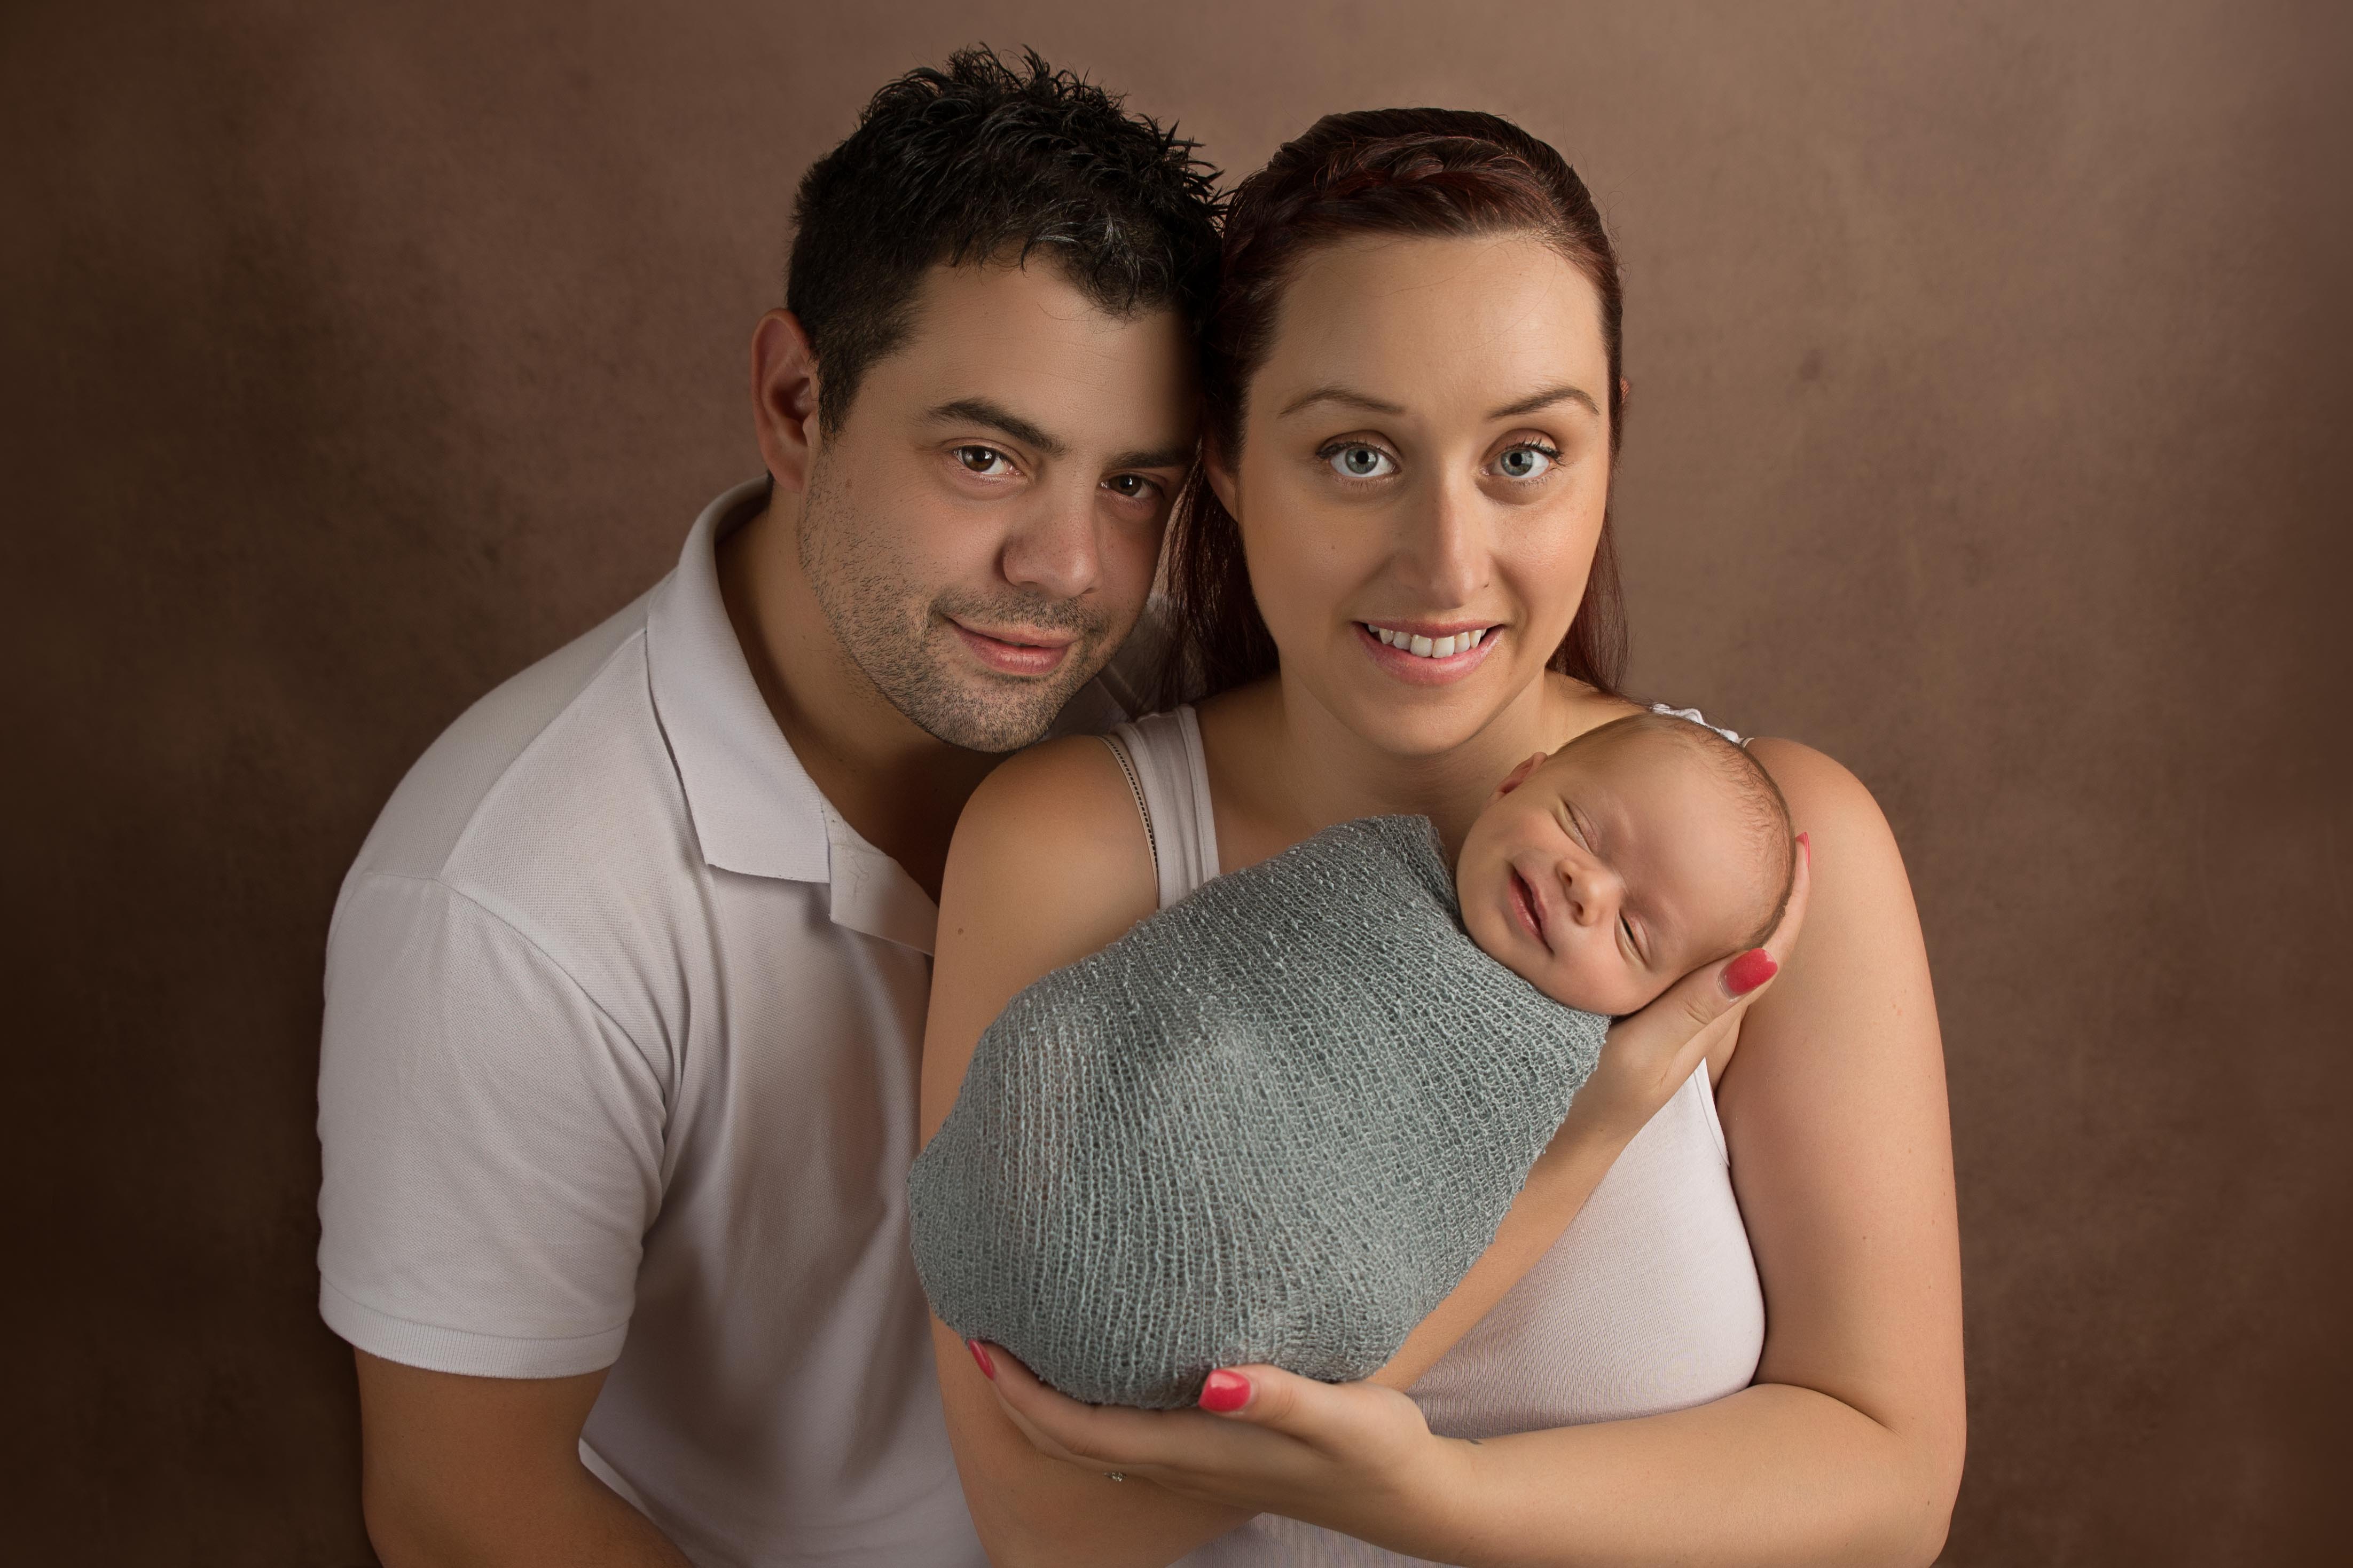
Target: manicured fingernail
1224, 1391
987, 1367
1807, 845
1750, 971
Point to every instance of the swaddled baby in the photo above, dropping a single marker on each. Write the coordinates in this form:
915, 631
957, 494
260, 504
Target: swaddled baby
1279, 1120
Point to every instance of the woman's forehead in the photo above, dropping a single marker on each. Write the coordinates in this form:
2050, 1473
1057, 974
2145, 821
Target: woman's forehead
1422, 322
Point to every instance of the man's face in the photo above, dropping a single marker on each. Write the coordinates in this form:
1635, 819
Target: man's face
982, 529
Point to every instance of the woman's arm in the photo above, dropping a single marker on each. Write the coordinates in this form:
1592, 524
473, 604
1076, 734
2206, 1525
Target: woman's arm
1048, 863
1846, 1449
1008, 914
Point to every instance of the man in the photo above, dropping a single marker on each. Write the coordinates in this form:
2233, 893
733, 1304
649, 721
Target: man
625, 992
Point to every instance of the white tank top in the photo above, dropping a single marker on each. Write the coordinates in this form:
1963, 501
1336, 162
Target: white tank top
1648, 1302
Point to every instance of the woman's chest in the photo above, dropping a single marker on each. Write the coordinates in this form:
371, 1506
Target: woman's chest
1648, 1302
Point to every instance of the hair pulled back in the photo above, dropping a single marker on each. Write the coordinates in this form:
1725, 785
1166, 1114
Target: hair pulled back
1431, 173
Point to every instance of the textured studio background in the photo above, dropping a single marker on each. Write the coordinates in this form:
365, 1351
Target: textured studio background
1990, 394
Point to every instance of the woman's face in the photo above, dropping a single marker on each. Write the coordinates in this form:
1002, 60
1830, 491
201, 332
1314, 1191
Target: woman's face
1424, 468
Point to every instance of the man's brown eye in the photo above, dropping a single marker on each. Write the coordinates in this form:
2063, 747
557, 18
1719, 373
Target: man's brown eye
979, 459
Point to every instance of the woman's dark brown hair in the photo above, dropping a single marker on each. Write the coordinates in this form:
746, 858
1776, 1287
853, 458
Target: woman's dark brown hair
1436, 172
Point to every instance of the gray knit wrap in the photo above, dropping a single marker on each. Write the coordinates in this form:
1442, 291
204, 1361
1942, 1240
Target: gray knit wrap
1277, 1122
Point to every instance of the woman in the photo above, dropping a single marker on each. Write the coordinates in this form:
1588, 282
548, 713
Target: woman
1413, 397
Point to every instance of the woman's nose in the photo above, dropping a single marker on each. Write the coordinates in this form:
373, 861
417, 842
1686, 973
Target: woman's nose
1447, 555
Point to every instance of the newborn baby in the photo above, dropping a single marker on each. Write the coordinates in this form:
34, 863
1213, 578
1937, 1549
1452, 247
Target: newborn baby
1280, 1121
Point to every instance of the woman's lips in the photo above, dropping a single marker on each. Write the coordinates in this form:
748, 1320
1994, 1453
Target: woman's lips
1420, 670
1015, 654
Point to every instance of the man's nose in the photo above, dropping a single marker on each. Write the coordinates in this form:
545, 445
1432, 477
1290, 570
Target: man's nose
1445, 553
1053, 550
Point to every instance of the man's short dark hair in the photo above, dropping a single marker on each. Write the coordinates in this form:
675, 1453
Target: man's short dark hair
985, 161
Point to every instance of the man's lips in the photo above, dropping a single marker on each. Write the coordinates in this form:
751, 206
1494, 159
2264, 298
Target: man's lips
1016, 651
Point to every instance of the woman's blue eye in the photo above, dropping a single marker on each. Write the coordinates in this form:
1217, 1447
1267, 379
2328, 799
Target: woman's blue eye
1361, 462
1525, 462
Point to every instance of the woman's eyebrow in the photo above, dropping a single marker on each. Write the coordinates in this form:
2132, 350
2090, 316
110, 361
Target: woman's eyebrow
1345, 395
1564, 393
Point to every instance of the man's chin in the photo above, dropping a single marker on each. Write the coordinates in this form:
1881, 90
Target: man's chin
986, 716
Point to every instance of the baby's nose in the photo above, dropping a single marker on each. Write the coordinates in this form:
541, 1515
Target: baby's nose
1593, 891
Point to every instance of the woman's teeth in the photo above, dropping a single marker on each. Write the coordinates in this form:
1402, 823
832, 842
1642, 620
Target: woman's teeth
1429, 647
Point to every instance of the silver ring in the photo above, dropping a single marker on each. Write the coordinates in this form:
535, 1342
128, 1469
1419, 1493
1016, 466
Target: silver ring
1113, 1476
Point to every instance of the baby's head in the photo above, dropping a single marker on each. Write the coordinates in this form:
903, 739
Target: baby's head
1637, 852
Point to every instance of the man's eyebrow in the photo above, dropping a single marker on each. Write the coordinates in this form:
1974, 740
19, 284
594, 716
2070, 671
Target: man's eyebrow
1564, 393
997, 416
1346, 396
1164, 457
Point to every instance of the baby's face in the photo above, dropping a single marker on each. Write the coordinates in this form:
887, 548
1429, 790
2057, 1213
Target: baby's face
1610, 872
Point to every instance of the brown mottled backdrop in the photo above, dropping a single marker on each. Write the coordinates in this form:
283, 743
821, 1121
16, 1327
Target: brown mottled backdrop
1990, 370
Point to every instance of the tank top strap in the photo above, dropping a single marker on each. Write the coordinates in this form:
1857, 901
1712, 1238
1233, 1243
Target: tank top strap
1696, 717
1166, 769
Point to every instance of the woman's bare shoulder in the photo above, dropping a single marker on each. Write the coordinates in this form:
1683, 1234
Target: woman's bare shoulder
1824, 795
1049, 862
1055, 814
1860, 961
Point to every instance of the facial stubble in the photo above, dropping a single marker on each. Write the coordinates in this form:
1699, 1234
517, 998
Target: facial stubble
896, 629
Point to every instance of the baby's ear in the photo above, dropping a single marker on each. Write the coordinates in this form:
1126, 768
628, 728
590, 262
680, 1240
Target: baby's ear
1516, 778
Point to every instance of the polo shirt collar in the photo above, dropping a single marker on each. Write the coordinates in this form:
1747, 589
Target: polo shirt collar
754, 809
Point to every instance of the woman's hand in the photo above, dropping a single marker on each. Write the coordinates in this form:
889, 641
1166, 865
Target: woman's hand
1359, 1456
1352, 1455
1650, 1054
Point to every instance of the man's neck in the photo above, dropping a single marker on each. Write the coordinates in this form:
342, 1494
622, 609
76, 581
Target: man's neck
898, 787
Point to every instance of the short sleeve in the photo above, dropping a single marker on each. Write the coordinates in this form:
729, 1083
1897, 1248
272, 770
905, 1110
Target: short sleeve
491, 1143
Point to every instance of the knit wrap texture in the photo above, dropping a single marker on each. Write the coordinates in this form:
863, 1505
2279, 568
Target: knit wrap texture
1275, 1123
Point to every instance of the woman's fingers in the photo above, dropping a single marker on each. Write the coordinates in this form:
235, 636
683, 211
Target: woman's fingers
1651, 1053
1265, 1429
1281, 1401
1784, 939
1055, 1424
1109, 1437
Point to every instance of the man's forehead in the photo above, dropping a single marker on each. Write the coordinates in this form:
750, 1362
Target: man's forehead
999, 307
1025, 342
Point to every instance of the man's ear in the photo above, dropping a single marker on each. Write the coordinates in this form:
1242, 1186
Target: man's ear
1517, 776
785, 397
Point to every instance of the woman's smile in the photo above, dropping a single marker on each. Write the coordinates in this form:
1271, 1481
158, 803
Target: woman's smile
1427, 654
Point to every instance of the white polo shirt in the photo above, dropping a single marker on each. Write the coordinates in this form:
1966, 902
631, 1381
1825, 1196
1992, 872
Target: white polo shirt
619, 1068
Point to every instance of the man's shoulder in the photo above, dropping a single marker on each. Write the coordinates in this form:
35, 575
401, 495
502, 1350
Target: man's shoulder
566, 749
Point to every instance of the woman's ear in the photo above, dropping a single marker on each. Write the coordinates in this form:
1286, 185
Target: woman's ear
1220, 474
785, 397
1516, 778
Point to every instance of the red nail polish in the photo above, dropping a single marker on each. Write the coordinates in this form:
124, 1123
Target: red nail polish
987, 1367
1223, 1392
1750, 971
